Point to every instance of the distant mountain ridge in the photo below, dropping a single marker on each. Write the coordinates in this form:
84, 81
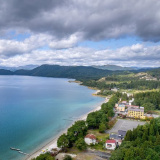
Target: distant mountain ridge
114, 68
27, 67
5, 72
75, 72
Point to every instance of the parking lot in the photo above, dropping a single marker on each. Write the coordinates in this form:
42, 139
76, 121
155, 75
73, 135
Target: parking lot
125, 125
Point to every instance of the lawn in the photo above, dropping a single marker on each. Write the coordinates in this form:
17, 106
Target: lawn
101, 137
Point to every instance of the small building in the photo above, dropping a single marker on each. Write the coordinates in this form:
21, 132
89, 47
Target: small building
114, 89
90, 139
121, 108
121, 134
113, 136
111, 144
135, 112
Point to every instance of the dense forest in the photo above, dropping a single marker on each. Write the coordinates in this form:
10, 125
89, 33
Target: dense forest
149, 100
137, 84
143, 143
77, 72
155, 73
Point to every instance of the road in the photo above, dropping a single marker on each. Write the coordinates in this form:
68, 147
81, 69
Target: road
102, 155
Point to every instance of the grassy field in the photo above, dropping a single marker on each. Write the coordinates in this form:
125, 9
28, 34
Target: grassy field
99, 136
156, 112
133, 91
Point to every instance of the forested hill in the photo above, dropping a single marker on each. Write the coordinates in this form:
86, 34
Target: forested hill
155, 73
114, 68
76, 72
5, 72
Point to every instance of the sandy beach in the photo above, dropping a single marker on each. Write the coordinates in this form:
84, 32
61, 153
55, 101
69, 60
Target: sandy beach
53, 143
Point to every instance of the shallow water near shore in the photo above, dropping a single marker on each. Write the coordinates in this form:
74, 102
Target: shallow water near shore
35, 109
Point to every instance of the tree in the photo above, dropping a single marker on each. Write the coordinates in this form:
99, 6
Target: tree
80, 144
157, 140
77, 130
151, 130
63, 141
95, 118
91, 120
67, 157
148, 107
144, 137
110, 113
45, 156
128, 136
102, 128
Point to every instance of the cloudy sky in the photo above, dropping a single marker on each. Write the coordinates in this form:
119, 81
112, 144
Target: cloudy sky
80, 32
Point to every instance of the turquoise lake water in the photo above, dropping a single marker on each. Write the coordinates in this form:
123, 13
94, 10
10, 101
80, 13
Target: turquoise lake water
33, 109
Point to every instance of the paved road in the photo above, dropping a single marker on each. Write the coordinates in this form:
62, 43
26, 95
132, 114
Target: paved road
100, 154
125, 124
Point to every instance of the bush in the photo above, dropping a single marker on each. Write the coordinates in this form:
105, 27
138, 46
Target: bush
45, 156
67, 157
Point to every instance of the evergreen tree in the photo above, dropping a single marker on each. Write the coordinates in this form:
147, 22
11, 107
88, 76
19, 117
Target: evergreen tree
128, 136
151, 130
157, 140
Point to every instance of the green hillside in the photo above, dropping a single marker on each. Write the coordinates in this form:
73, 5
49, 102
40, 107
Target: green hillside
77, 72
155, 73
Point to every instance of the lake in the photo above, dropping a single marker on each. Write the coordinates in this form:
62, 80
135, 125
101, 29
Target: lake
35, 109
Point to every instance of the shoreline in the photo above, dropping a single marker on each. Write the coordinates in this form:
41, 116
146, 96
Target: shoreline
53, 143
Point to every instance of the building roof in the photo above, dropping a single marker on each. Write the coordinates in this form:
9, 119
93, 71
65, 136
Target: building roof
132, 106
114, 136
121, 132
136, 109
111, 141
121, 105
124, 101
91, 136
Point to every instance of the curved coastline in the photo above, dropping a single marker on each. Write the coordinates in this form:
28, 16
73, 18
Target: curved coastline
53, 143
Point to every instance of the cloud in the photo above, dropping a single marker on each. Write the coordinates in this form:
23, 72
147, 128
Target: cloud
135, 55
69, 42
95, 19
57, 27
10, 48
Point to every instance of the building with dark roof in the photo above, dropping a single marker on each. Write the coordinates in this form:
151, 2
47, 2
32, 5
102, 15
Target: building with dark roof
121, 134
